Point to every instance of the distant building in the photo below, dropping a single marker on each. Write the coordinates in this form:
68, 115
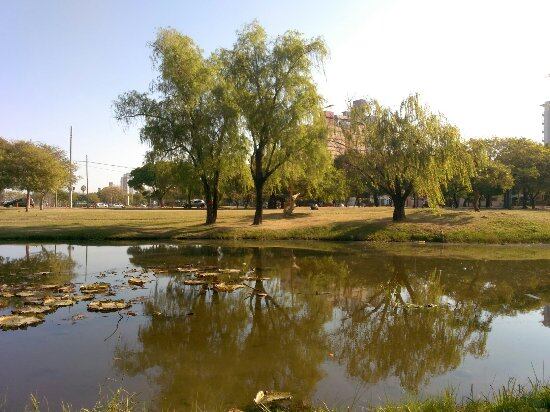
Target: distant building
546, 123
124, 184
336, 125
111, 184
125, 188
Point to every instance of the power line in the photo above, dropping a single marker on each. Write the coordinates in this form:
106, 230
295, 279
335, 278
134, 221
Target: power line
104, 164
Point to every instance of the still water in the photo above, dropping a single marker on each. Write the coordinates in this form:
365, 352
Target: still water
343, 324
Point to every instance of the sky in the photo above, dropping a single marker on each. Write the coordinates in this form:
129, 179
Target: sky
484, 64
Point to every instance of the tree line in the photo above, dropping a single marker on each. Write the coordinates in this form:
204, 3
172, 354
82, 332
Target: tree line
35, 168
251, 117
247, 122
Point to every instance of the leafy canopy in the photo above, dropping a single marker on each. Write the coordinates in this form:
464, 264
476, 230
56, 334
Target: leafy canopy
406, 150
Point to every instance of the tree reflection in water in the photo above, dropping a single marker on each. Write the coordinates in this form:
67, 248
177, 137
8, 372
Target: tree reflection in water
15, 271
388, 335
356, 305
231, 346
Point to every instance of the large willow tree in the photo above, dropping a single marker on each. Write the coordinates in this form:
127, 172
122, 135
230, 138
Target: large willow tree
405, 151
277, 98
189, 114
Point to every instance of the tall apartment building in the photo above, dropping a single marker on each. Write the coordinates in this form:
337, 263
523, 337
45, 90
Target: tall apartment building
125, 188
546, 123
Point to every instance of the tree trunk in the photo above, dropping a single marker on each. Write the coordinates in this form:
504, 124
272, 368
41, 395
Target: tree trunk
272, 202
211, 195
488, 201
28, 204
398, 208
507, 204
455, 201
524, 199
258, 216
376, 199
290, 204
41, 203
532, 198
476, 201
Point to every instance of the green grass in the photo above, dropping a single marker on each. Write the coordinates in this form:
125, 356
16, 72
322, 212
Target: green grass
513, 397
369, 224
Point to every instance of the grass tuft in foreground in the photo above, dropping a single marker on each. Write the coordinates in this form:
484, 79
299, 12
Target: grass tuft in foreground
509, 398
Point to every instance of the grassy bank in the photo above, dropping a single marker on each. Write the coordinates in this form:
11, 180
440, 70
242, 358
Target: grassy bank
371, 224
511, 398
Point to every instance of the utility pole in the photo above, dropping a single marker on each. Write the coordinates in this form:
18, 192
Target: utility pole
87, 181
71, 170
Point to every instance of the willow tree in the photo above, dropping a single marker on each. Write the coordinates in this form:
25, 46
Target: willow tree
188, 115
405, 151
277, 98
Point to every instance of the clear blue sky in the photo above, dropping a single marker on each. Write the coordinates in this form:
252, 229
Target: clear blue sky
482, 63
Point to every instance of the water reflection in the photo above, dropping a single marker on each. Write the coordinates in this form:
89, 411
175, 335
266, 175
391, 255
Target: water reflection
378, 314
33, 259
311, 317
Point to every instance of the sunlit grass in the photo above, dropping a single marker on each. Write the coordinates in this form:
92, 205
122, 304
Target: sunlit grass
371, 224
534, 397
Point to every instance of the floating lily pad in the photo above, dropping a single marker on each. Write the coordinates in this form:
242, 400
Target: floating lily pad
66, 288
19, 321
32, 310
58, 302
33, 300
229, 270
108, 305
136, 281
223, 287
194, 282
208, 275
25, 293
49, 287
84, 296
248, 277
7, 295
98, 287
186, 270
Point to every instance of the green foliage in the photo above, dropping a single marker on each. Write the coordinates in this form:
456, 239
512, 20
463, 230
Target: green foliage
411, 150
112, 194
155, 179
277, 98
37, 168
311, 174
529, 162
189, 114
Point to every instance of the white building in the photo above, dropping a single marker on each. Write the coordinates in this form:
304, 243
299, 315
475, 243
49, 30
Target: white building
125, 188
546, 123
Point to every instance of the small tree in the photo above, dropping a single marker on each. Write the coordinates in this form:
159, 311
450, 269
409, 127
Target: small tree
36, 168
277, 98
111, 194
410, 150
529, 163
155, 179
